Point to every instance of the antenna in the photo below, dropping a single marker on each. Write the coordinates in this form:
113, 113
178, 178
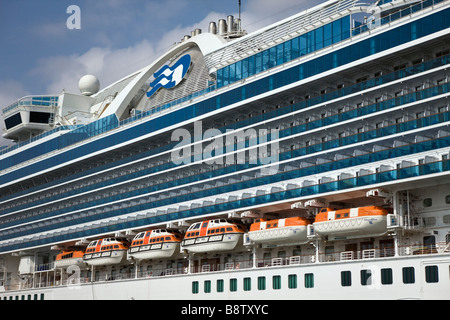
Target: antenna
239, 9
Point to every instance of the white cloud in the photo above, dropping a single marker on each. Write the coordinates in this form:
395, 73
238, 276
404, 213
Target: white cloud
107, 64
110, 64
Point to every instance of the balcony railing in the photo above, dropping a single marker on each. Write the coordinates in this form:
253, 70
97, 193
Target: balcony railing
47, 276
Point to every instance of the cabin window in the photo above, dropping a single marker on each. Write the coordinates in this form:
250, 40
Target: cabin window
447, 199
233, 285
428, 202
276, 282
408, 275
261, 283
366, 279
346, 278
386, 276
229, 229
220, 285
309, 280
247, 284
292, 281
207, 286
431, 274
195, 287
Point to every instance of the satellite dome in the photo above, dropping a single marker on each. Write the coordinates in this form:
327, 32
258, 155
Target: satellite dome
89, 85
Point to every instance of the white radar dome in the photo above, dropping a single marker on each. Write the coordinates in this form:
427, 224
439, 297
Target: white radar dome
89, 85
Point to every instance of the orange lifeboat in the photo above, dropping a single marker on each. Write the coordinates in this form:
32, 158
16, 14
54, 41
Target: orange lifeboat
106, 251
154, 244
212, 235
369, 220
280, 230
69, 258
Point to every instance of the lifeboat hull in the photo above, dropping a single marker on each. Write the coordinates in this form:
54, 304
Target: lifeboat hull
279, 235
63, 264
352, 226
223, 242
104, 258
154, 251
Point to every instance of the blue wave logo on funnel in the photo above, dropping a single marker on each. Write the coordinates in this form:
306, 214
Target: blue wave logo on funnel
169, 77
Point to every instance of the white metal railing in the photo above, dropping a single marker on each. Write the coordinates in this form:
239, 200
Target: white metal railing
47, 277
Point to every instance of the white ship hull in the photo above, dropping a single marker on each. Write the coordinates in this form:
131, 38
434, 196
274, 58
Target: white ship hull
155, 251
283, 234
326, 284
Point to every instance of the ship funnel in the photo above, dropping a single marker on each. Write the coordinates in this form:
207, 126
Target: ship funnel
222, 27
230, 24
212, 28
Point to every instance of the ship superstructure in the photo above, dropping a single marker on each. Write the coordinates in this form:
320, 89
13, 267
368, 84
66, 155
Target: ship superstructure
309, 157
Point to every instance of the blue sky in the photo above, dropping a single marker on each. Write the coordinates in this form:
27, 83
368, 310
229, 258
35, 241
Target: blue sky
40, 55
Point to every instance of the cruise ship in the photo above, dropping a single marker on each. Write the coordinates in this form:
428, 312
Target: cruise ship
306, 160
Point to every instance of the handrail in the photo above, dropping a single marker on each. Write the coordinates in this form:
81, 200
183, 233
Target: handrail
54, 278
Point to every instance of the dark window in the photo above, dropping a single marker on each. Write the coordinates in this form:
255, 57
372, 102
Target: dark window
220, 285
346, 278
13, 121
195, 287
39, 117
431, 274
309, 280
233, 285
408, 275
207, 286
276, 282
366, 277
292, 281
386, 276
428, 202
261, 283
247, 284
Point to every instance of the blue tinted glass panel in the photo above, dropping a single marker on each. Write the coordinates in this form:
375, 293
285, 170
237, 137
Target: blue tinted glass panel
327, 35
319, 38
337, 31
311, 41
